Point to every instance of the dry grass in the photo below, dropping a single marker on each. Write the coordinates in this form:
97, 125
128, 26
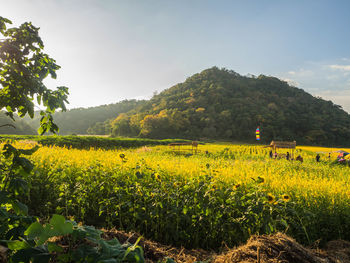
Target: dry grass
277, 248
280, 248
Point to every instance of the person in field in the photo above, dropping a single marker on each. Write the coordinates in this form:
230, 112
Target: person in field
318, 158
299, 158
288, 156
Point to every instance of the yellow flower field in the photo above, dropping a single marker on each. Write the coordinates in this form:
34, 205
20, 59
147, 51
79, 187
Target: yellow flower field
148, 188
308, 179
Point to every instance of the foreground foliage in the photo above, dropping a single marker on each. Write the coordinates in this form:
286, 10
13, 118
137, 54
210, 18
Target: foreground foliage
84, 244
23, 69
30, 241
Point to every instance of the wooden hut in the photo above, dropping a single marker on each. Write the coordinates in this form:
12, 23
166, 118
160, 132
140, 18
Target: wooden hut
179, 146
283, 145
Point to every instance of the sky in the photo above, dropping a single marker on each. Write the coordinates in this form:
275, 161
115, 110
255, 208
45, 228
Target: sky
111, 50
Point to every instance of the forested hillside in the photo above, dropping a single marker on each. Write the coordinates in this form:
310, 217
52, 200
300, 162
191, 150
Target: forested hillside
14, 127
214, 104
221, 104
88, 120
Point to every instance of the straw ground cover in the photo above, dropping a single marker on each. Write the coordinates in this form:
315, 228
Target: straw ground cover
225, 193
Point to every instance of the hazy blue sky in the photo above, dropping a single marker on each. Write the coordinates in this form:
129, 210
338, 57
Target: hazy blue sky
111, 50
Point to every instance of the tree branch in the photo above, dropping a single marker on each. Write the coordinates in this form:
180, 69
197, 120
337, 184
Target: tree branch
11, 125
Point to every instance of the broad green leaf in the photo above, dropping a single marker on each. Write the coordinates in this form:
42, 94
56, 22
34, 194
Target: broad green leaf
52, 247
24, 163
34, 230
3, 198
38, 99
18, 185
4, 214
19, 208
60, 226
111, 248
16, 244
85, 251
134, 253
38, 254
41, 130
9, 149
92, 233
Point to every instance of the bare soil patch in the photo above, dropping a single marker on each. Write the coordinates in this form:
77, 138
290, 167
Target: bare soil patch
277, 248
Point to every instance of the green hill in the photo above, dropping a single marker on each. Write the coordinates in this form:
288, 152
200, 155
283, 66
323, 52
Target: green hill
18, 126
87, 120
221, 104
214, 104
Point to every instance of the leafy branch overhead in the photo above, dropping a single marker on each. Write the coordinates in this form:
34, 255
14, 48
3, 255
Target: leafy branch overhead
23, 68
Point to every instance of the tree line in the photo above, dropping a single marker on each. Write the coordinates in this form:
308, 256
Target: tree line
221, 104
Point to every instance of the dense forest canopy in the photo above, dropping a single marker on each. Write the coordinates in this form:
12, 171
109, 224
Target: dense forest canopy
221, 104
93, 120
8, 126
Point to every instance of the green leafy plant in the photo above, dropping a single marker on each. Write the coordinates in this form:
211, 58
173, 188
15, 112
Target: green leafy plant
30, 241
14, 169
84, 244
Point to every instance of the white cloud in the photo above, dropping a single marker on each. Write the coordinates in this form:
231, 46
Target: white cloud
302, 73
332, 77
328, 79
290, 82
340, 67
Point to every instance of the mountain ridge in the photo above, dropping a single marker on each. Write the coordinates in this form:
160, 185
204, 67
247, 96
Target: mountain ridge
217, 104
221, 104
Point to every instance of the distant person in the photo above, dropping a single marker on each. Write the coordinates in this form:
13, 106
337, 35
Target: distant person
318, 158
275, 155
288, 156
299, 158
329, 156
271, 154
